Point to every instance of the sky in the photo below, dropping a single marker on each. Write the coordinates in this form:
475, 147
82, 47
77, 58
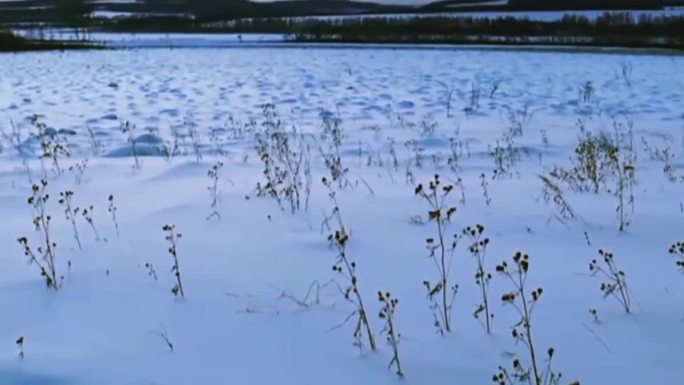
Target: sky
402, 2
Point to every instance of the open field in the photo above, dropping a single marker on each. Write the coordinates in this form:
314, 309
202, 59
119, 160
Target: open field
248, 151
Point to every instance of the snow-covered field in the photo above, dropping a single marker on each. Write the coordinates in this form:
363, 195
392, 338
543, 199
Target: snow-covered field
394, 118
116, 14
530, 15
557, 15
158, 40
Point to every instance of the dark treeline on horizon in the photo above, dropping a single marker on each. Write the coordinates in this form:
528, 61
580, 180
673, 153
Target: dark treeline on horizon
612, 29
55, 11
619, 29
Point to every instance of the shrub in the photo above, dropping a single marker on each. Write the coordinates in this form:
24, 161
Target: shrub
213, 175
87, 214
593, 163
440, 213
45, 255
50, 147
478, 250
112, 210
604, 164
129, 130
332, 135
172, 238
677, 249
286, 162
389, 306
70, 213
524, 305
345, 267
613, 282
20, 345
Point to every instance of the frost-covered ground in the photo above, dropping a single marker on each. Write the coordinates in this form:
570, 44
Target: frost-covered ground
404, 115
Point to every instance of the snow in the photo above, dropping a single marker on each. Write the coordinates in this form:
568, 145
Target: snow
116, 14
531, 15
180, 40
103, 326
484, 3
159, 40
557, 15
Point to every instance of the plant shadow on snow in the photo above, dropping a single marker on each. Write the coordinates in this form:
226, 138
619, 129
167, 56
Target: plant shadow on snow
20, 377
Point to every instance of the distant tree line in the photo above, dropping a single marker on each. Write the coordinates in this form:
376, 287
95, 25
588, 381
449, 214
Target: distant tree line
9, 42
74, 11
614, 28
609, 29
620, 24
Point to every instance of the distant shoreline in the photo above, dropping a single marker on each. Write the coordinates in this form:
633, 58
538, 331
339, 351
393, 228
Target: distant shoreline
11, 42
500, 44
62, 45
608, 31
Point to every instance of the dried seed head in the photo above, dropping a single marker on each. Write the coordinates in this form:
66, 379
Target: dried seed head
517, 256
524, 265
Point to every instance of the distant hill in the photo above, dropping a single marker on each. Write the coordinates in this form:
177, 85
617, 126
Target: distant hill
584, 4
550, 5
206, 8
55, 10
